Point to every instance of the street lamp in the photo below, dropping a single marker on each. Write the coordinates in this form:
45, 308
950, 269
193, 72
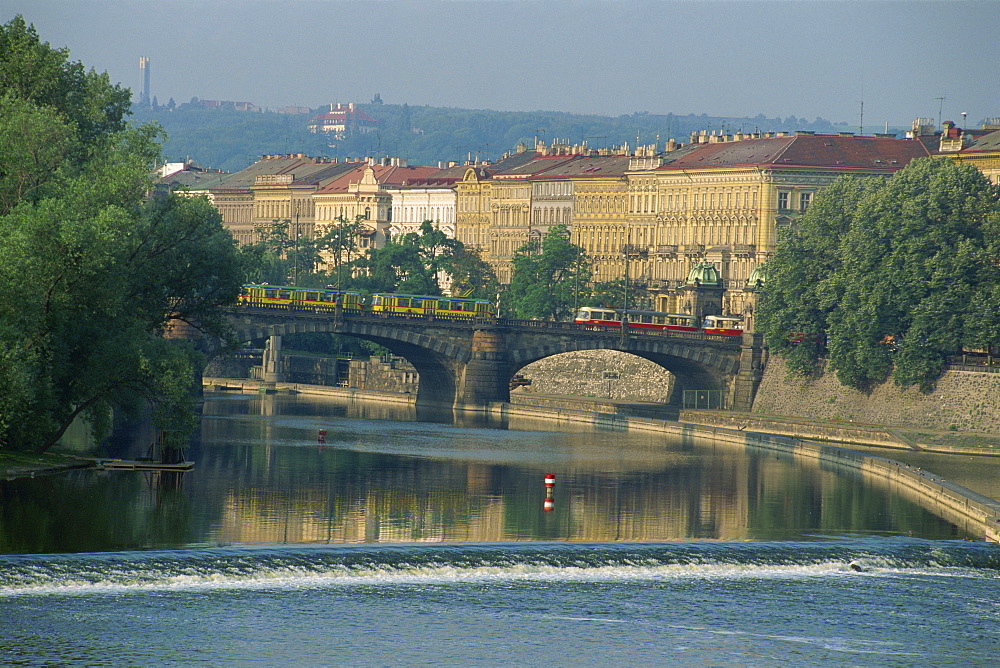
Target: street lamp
628, 251
295, 274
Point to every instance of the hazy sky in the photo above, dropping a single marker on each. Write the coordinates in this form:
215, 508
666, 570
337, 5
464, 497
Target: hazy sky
735, 58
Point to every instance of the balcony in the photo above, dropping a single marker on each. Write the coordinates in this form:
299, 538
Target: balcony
666, 250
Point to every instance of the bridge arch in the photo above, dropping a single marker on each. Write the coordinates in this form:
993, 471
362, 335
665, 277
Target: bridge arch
438, 360
692, 368
470, 364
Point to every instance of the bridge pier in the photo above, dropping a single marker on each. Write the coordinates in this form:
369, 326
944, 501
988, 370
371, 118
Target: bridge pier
753, 356
272, 361
486, 377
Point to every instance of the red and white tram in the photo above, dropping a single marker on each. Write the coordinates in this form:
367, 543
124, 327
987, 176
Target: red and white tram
592, 316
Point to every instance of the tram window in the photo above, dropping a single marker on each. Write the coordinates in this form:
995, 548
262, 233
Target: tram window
376, 300
284, 294
402, 301
312, 296
271, 293
416, 303
469, 306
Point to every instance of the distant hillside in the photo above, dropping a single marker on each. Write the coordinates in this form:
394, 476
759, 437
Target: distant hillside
230, 140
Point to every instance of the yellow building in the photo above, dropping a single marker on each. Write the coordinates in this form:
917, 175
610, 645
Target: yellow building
655, 216
982, 152
276, 187
723, 199
474, 214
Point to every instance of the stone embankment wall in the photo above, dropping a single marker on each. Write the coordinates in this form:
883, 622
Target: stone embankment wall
963, 400
394, 374
582, 374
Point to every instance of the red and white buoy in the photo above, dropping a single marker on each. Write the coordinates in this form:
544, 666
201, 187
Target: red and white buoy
550, 480
548, 505
322, 435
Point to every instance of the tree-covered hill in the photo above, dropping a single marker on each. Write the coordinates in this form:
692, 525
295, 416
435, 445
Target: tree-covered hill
230, 140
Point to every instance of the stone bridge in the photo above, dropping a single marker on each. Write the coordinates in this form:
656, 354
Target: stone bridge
469, 364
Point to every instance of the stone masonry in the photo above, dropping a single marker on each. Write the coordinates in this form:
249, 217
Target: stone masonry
582, 374
963, 400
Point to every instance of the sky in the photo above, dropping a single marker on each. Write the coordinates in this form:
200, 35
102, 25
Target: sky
738, 58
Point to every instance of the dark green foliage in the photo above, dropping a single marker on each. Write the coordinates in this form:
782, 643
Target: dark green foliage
92, 269
888, 277
547, 278
414, 263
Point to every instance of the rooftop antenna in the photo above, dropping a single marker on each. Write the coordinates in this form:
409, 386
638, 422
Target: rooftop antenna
964, 114
940, 108
861, 121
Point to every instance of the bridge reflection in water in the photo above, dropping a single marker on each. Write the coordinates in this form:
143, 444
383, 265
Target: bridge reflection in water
469, 364
380, 481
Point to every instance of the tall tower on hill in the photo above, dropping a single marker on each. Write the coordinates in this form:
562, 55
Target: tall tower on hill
144, 71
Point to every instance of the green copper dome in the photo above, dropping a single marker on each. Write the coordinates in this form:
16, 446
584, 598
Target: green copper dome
703, 273
757, 277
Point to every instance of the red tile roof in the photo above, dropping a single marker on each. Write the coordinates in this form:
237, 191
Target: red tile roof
836, 151
386, 175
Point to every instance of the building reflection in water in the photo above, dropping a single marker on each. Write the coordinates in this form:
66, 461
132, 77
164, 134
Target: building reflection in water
398, 482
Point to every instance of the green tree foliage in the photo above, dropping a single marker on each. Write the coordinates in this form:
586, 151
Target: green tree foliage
32, 70
92, 267
889, 277
340, 245
280, 256
804, 279
415, 263
546, 277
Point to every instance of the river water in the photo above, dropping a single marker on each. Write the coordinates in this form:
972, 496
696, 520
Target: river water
408, 539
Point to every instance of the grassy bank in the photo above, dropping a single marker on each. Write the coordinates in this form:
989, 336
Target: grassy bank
20, 464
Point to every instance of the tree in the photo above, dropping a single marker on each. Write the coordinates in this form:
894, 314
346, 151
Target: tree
92, 267
891, 276
547, 277
804, 278
339, 245
415, 263
33, 71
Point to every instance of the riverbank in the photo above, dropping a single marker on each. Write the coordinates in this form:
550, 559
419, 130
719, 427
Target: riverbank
23, 464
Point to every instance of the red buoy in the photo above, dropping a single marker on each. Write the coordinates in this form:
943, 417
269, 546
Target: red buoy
549, 505
322, 435
550, 480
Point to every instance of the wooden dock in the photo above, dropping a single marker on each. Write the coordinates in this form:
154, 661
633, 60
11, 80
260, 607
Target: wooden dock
141, 465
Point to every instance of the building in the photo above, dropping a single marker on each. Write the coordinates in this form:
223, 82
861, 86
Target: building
724, 198
979, 148
364, 194
189, 179
341, 121
276, 187
432, 198
654, 216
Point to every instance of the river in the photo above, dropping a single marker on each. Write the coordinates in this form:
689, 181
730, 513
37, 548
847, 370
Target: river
412, 539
